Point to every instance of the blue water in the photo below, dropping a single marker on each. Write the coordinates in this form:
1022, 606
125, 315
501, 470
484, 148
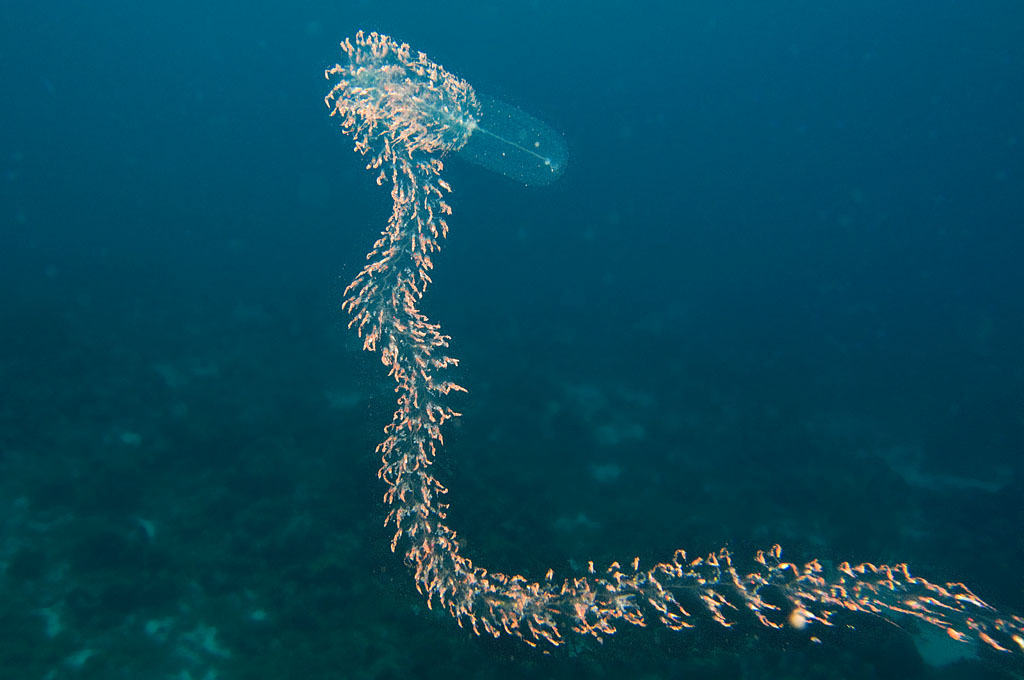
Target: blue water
775, 297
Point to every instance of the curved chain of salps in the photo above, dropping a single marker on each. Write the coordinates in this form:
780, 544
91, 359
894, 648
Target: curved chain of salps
404, 113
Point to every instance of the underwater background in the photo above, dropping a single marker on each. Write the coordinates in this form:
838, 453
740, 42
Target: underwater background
776, 297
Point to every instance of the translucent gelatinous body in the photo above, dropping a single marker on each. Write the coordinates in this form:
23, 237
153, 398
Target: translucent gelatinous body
507, 140
404, 113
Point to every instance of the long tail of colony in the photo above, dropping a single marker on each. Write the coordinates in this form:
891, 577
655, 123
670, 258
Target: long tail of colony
404, 113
